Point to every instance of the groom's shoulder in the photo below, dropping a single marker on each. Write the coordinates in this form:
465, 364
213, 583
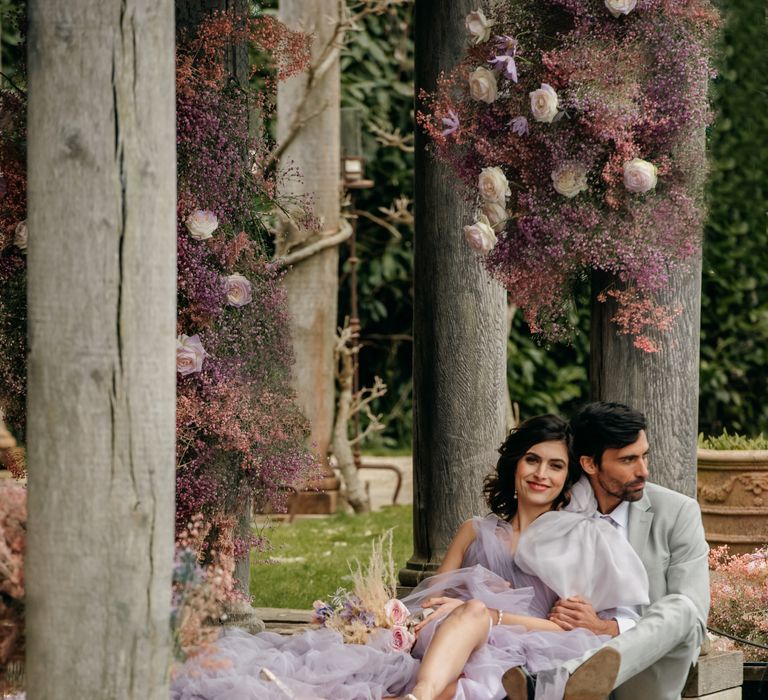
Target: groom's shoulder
667, 499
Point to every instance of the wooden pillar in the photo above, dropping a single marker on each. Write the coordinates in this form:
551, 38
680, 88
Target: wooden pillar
459, 329
312, 284
663, 385
102, 375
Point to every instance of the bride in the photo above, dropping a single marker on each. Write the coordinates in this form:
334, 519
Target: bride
491, 598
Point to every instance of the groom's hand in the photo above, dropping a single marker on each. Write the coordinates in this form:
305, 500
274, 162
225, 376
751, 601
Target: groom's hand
573, 612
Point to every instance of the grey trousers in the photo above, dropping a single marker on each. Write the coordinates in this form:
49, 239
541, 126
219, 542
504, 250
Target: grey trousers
656, 654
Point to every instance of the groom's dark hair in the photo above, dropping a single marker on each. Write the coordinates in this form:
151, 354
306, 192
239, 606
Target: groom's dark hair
605, 425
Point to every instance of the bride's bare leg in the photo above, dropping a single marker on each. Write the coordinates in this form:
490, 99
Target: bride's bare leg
463, 631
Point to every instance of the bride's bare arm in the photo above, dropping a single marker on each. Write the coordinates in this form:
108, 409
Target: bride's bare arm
461, 541
530, 623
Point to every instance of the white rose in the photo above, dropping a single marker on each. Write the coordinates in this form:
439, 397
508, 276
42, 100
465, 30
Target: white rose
496, 215
639, 175
480, 235
620, 7
482, 85
570, 179
478, 27
189, 354
493, 185
201, 224
20, 235
544, 103
238, 290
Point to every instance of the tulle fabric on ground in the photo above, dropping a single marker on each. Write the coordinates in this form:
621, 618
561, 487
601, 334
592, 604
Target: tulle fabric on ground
318, 665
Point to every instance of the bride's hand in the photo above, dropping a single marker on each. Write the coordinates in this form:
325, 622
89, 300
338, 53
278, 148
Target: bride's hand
442, 606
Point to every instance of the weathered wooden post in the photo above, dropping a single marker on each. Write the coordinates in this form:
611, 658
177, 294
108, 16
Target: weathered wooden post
308, 127
664, 385
102, 316
459, 330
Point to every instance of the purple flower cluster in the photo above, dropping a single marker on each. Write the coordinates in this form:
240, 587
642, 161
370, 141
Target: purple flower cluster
606, 92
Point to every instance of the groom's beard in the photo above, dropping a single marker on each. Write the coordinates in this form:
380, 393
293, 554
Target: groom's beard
629, 491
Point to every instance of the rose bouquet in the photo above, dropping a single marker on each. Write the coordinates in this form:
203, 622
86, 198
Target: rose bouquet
739, 587
576, 126
370, 613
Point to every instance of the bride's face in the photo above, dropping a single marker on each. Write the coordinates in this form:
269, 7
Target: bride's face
541, 473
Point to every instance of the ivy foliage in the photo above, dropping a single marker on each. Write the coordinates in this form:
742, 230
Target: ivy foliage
734, 334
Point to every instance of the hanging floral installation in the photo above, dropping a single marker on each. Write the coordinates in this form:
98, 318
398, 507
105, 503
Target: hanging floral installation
576, 126
239, 431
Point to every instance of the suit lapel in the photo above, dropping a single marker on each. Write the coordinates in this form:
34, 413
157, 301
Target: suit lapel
640, 518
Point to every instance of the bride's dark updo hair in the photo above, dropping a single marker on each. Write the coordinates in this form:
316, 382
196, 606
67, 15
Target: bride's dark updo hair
499, 487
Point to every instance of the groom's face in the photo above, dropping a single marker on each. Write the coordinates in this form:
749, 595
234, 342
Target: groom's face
622, 471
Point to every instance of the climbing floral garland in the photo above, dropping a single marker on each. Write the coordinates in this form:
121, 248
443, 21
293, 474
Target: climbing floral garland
577, 127
239, 432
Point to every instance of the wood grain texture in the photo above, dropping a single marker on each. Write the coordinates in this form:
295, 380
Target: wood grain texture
102, 317
459, 329
312, 285
663, 385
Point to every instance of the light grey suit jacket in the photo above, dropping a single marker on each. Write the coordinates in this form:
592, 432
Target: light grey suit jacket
666, 531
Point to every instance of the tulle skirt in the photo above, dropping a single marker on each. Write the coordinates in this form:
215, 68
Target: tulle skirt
317, 665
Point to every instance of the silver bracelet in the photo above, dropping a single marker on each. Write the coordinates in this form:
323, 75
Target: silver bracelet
498, 621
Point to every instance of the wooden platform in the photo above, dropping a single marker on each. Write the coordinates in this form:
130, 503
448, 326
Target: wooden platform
284, 620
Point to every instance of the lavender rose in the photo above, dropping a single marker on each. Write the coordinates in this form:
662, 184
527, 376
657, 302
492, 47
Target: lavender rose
201, 224
482, 85
402, 639
544, 103
20, 235
639, 175
238, 290
480, 235
189, 354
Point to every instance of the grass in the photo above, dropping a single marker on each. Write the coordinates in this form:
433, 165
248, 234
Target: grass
310, 558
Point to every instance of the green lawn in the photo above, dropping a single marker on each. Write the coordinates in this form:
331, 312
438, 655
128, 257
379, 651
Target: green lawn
309, 558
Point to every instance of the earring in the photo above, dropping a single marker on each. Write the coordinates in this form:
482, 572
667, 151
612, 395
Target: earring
514, 495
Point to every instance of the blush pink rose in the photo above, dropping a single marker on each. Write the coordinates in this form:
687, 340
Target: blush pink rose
396, 612
402, 639
189, 354
238, 290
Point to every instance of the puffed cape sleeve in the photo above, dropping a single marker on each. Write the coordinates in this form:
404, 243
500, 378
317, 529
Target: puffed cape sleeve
577, 555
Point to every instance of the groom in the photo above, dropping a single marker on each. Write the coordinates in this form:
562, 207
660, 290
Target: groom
664, 527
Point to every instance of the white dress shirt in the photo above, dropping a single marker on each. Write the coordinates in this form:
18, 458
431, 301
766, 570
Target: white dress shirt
625, 617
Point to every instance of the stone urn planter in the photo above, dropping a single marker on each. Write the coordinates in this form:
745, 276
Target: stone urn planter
733, 495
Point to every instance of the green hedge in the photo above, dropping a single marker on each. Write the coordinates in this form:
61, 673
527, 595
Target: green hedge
734, 335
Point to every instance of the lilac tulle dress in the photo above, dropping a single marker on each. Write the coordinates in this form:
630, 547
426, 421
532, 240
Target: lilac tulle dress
317, 665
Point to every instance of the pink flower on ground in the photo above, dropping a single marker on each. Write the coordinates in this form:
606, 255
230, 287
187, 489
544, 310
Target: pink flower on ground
396, 612
189, 354
402, 639
239, 291
201, 224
